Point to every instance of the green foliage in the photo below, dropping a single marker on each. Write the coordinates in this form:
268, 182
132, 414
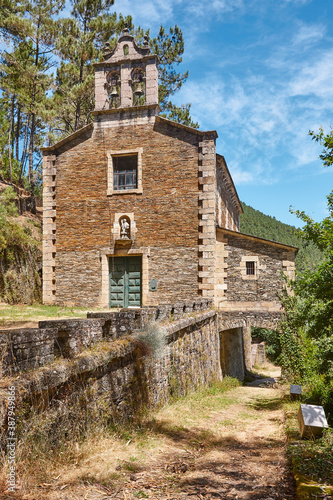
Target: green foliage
10, 233
258, 224
313, 458
307, 329
327, 141
179, 114
272, 339
19, 254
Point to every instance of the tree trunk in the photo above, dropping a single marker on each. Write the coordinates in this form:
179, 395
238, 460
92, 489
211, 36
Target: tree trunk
10, 140
32, 133
17, 131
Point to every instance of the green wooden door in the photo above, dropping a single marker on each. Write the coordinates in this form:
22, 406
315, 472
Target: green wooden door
125, 281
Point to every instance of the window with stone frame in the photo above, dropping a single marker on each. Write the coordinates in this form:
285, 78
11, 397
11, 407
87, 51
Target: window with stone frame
125, 171
250, 267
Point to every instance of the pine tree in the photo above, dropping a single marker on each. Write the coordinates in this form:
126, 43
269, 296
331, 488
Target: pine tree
25, 71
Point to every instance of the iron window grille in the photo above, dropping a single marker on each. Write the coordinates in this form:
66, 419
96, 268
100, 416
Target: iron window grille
125, 170
250, 268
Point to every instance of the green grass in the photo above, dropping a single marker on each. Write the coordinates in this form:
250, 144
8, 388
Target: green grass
213, 398
11, 314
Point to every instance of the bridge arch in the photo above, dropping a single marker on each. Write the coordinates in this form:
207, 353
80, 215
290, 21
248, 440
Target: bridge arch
235, 339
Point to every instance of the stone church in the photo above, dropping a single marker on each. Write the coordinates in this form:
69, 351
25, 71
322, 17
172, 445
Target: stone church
141, 211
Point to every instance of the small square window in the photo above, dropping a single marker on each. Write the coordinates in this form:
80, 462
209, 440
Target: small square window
125, 169
250, 268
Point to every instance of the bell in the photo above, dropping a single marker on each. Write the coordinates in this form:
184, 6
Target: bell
138, 91
114, 93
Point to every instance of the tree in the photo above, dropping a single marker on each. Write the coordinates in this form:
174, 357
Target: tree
179, 114
25, 71
307, 329
327, 142
79, 43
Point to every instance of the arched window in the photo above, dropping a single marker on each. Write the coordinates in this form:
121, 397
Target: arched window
113, 86
138, 86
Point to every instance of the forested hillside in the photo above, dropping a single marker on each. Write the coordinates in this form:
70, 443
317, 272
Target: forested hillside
258, 224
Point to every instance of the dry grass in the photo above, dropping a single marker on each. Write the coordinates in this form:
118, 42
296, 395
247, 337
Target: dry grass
24, 316
102, 452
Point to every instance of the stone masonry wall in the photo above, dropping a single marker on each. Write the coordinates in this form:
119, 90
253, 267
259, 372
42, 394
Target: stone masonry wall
24, 349
227, 215
165, 214
29, 348
116, 375
270, 261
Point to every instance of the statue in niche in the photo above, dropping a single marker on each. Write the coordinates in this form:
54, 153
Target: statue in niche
124, 229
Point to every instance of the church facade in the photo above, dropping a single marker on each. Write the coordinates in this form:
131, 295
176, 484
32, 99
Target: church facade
141, 211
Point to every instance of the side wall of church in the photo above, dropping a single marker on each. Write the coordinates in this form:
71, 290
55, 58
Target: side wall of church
243, 292
164, 215
227, 213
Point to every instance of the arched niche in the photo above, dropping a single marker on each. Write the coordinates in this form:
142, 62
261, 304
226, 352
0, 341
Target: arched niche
125, 227
138, 86
113, 87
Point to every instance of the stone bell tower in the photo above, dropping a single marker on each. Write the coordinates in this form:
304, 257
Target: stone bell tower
127, 78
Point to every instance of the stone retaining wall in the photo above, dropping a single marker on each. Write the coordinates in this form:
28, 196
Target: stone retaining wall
103, 360
117, 375
29, 348
25, 349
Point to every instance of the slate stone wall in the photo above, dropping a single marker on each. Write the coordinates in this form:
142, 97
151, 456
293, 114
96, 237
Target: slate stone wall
116, 374
165, 214
29, 348
227, 215
231, 354
270, 266
25, 349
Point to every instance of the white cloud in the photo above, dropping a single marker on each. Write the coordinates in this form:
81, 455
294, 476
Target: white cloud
308, 35
152, 12
298, 2
210, 7
315, 77
148, 13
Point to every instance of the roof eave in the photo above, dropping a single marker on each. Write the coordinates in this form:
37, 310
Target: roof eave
263, 240
74, 135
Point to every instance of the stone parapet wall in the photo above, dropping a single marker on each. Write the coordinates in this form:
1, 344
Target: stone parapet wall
75, 335
123, 380
30, 348
25, 349
127, 321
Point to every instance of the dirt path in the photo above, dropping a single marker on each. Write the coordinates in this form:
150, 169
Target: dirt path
207, 446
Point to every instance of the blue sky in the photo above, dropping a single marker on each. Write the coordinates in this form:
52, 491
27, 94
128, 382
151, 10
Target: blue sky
261, 74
